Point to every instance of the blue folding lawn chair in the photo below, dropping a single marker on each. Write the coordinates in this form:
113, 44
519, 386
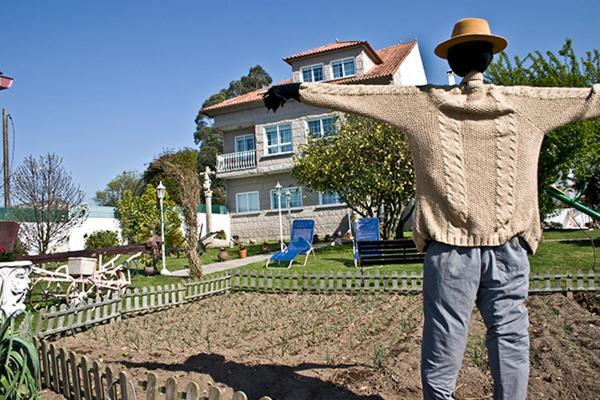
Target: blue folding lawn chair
364, 229
301, 240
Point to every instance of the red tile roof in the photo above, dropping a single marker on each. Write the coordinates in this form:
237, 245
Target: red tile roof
255, 95
335, 46
391, 58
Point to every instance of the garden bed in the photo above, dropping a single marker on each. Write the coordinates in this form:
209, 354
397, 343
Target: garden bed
336, 346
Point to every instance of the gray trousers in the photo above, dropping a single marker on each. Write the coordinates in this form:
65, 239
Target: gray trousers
457, 278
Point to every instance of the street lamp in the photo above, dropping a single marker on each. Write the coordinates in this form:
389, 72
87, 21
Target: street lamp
278, 188
288, 203
160, 192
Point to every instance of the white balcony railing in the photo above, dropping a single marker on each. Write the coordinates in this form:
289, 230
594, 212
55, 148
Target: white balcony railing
236, 161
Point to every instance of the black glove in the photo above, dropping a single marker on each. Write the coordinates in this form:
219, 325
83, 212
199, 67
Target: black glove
276, 96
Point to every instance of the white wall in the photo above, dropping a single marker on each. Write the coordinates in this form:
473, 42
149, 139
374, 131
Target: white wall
90, 225
219, 221
411, 71
95, 223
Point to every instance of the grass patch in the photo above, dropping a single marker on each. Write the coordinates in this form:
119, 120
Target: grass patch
553, 256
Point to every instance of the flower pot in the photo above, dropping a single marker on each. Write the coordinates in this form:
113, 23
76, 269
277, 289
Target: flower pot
9, 231
223, 255
243, 253
150, 270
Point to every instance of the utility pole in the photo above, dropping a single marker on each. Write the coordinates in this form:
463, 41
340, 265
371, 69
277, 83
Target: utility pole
5, 159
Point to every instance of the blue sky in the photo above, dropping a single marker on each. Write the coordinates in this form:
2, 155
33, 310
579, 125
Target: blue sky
110, 84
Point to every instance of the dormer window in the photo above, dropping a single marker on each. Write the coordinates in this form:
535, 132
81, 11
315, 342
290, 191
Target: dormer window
343, 68
312, 73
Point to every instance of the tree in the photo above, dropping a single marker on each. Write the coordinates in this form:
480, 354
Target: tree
155, 173
368, 164
210, 139
182, 167
574, 148
257, 78
116, 187
48, 202
99, 239
139, 217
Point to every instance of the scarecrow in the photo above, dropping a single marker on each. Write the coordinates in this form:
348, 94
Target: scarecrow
475, 149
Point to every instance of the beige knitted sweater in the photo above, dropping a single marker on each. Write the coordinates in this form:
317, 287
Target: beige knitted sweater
475, 149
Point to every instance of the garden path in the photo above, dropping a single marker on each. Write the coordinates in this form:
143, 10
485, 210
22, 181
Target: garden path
235, 263
225, 265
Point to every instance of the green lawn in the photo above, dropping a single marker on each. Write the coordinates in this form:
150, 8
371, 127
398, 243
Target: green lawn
140, 279
553, 255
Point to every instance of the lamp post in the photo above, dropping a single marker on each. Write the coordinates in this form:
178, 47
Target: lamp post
160, 192
278, 188
288, 203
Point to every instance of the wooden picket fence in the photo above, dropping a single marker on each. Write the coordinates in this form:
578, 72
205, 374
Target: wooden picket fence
273, 282
566, 283
153, 390
327, 282
78, 378
149, 299
64, 320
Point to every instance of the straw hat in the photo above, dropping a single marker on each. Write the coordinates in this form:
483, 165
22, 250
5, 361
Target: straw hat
471, 30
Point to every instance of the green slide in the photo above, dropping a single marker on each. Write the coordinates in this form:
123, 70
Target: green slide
562, 196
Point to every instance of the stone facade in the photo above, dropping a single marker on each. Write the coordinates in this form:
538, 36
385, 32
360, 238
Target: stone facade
362, 62
264, 224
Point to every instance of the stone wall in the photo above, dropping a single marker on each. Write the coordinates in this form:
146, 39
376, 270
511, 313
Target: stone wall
265, 225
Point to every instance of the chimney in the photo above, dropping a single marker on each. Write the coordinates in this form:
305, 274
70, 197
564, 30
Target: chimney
451, 78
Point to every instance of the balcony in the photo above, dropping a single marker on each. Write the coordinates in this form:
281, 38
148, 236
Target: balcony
236, 161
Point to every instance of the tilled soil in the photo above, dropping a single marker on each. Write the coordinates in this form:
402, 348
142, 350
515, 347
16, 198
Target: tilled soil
336, 347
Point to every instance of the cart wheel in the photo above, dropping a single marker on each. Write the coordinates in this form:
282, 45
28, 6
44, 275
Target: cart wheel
78, 292
44, 294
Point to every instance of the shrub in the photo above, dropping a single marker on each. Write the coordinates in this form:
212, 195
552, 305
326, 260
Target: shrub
100, 239
19, 361
221, 235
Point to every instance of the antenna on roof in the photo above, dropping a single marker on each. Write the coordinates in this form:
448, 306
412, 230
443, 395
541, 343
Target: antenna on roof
337, 40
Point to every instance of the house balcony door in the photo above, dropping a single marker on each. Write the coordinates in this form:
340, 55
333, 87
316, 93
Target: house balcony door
244, 143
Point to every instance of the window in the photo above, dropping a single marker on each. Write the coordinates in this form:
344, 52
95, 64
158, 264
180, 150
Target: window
244, 143
247, 202
329, 198
342, 68
279, 139
323, 127
312, 73
295, 198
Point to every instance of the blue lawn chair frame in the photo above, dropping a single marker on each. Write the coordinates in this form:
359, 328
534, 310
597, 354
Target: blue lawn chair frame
365, 229
301, 239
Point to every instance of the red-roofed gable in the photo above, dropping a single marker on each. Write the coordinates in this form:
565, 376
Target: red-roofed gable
335, 46
391, 59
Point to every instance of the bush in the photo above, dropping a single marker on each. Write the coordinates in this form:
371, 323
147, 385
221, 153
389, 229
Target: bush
19, 360
100, 239
221, 235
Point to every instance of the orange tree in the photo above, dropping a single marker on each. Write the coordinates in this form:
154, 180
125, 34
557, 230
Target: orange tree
368, 164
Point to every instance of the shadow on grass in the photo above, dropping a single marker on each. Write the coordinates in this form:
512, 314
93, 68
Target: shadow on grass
583, 242
280, 382
345, 261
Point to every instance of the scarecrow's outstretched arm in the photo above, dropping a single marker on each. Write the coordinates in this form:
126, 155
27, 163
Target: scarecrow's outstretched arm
389, 103
549, 108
